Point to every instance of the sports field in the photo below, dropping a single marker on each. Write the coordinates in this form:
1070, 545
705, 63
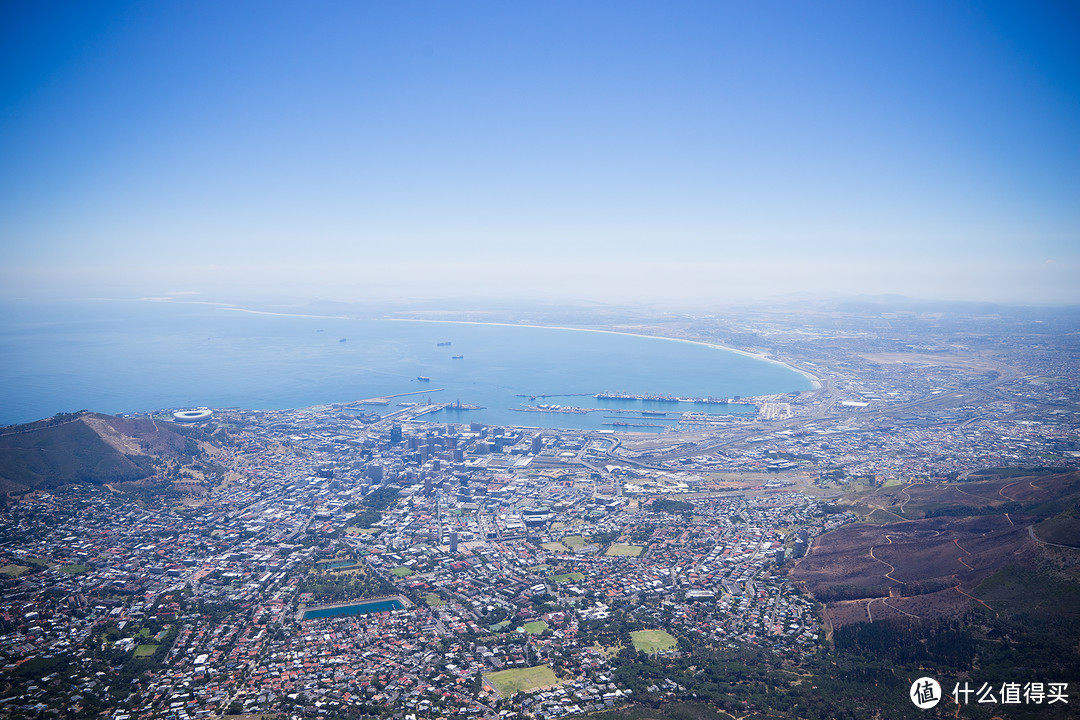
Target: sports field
650, 641
627, 550
73, 569
566, 577
508, 682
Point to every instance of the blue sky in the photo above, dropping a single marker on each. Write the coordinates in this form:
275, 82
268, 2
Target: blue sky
600, 150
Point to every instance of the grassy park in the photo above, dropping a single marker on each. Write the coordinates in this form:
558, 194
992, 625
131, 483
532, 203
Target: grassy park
508, 682
650, 641
567, 577
574, 542
73, 569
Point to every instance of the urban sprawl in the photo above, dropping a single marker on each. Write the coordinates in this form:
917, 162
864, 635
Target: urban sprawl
513, 565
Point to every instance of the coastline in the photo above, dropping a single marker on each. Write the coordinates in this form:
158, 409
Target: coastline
814, 381
133, 392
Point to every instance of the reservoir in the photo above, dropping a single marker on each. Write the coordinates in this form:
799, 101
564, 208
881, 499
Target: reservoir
119, 357
360, 608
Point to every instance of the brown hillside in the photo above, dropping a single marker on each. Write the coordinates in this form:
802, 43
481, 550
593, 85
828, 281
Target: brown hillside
87, 448
931, 567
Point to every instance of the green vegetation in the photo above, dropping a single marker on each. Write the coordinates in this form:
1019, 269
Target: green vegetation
144, 651
555, 547
1037, 599
433, 600
536, 627
13, 570
671, 711
574, 542
650, 641
508, 682
1062, 529
73, 569
331, 587
370, 510
63, 454
402, 572
617, 549
566, 577
1014, 472
57, 419
671, 506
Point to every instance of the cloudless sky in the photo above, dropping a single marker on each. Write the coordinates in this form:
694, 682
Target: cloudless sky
608, 150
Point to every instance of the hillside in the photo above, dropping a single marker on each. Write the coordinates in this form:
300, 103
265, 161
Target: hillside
959, 542
85, 448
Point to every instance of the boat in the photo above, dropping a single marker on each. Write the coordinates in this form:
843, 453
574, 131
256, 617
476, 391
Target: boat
457, 357
423, 378
443, 344
342, 339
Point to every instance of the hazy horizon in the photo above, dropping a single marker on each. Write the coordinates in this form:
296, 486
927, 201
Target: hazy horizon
611, 152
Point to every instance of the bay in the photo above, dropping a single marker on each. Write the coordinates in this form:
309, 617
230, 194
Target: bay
118, 357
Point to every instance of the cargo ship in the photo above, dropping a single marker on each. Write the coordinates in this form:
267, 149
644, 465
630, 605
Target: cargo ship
661, 398
631, 396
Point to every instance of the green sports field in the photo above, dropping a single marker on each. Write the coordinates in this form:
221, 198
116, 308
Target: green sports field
650, 641
566, 577
508, 682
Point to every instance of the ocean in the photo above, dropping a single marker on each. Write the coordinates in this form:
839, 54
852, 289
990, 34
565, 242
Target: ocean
118, 357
